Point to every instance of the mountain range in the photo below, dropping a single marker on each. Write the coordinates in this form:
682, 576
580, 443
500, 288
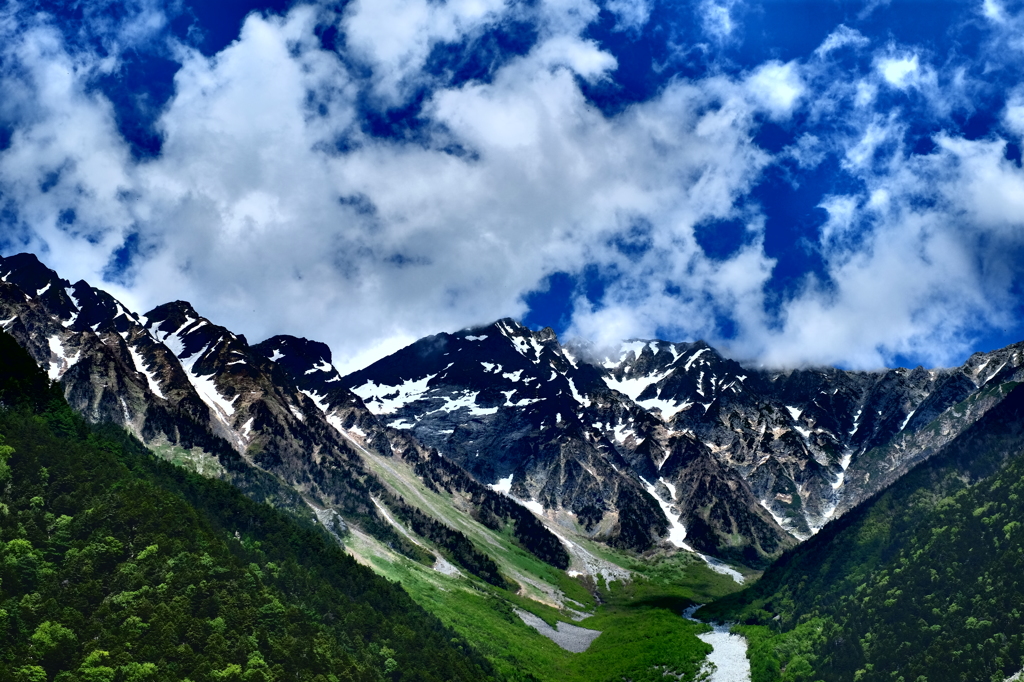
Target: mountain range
652, 443
499, 468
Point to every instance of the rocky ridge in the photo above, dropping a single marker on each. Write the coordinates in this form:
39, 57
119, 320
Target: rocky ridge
202, 396
653, 443
740, 461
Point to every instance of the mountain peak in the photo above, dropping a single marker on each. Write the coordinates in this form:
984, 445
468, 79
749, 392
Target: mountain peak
172, 312
289, 346
27, 271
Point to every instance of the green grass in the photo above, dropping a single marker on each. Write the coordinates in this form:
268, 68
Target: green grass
643, 633
195, 459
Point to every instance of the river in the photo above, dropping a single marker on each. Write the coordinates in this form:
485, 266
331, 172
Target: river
730, 651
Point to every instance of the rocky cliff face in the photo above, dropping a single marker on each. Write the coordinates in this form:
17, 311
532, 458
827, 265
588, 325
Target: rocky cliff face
188, 388
528, 416
745, 460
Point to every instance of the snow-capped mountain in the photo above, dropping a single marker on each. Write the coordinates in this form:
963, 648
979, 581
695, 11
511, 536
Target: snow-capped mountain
201, 396
183, 385
652, 443
726, 451
528, 416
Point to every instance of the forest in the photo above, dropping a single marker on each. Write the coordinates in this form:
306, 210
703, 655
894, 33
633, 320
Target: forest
923, 582
116, 566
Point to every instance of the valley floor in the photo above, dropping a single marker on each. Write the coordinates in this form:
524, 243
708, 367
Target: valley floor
635, 603
642, 631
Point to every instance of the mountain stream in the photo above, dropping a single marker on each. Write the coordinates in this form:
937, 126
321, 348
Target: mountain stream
730, 651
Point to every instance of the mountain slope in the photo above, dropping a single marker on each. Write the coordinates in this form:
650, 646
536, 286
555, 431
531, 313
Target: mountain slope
654, 444
518, 410
197, 393
739, 461
921, 582
115, 565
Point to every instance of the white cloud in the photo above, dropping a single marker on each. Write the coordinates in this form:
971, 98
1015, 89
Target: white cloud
274, 212
396, 36
776, 87
65, 167
917, 264
808, 152
631, 15
994, 11
900, 72
717, 18
582, 56
1013, 114
842, 37
250, 214
842, 217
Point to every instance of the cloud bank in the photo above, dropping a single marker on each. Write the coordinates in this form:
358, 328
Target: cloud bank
276, 204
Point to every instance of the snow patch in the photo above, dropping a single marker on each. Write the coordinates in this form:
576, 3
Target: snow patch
856, 422
276, 356
173, 339
388, 399
322, 366
466, 400
318, 400
207, 390
634, 387
205, 386
513, 376
519, 403
247, 429
61, 362
532, 505
140, 365
504, 485
622, 432
907, 420
794, 412
686, 367
676, 530
667, 408
42, 291
476, 338
585, 402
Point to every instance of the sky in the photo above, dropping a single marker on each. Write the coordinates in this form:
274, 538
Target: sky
797, 183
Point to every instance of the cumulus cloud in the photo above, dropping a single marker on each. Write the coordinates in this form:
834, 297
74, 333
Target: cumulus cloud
717, 19
66, 167
274, 210
395, 37
776, 87
938, 276
631, 15
250, 208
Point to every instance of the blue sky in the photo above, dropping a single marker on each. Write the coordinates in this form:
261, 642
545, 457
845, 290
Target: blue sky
798, 183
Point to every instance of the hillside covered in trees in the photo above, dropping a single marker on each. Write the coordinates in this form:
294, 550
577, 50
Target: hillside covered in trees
924, 582
116, 566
